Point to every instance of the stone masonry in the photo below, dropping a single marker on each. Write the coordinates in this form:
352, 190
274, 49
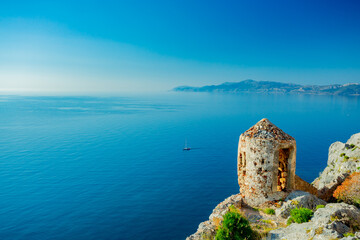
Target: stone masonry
266, 163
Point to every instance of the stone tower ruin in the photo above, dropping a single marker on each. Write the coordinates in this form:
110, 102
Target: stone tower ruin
266, 162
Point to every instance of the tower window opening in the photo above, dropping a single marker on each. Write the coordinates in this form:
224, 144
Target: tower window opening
283, 169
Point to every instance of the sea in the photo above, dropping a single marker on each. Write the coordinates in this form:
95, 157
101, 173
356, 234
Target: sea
76, 167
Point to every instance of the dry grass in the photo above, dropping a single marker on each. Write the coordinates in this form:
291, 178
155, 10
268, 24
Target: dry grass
349, 190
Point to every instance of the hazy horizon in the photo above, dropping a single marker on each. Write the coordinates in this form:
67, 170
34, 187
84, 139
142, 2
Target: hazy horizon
92, 47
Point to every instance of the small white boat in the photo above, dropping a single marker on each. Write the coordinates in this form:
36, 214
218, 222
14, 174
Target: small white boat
186, 148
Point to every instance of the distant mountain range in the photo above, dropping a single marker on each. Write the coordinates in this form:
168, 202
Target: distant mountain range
251, 86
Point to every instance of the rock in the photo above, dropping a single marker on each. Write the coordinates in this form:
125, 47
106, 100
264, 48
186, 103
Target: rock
261, 188
298, 199
207, 229
343, 159
222, 208
338, 212
303, 231
349, 238
331, 222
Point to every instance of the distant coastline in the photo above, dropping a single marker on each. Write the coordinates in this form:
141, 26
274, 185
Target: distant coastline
252, 86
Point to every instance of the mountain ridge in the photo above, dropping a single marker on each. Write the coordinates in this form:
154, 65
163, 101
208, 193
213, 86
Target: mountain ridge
252, 86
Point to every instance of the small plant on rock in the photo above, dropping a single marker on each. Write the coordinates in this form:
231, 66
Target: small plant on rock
300, 215
269, 211
347, 146
319, 230
349, 234
319, 206
334, 218
266, 221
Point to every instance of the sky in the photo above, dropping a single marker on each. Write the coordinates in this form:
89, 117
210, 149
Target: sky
151, 46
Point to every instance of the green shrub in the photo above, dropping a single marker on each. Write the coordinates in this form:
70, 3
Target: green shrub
300, 215
346, 157
269, 211
235, 227
342, 154
319, 206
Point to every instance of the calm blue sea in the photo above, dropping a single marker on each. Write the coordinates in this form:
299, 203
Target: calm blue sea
113, 168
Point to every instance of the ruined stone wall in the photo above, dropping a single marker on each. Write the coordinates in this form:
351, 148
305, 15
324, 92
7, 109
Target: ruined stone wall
302, 185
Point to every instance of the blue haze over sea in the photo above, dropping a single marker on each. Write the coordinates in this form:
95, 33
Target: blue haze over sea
113, 168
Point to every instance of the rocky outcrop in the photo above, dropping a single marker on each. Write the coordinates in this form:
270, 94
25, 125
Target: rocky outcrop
298, 199
258, 219
331, 222
217, 215
334, 221
344, 158
207, 229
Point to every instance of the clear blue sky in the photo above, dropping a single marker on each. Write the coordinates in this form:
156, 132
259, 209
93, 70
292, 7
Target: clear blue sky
121, 46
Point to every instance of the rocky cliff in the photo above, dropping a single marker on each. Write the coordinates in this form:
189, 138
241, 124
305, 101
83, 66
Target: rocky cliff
344, 158
330, 220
